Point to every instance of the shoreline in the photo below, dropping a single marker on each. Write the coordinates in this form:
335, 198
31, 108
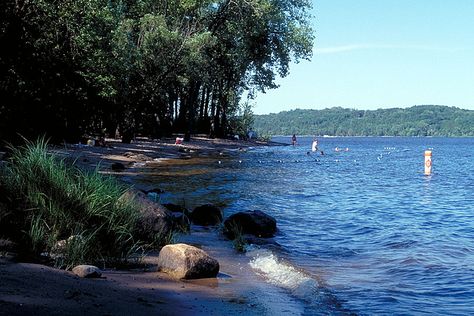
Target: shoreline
144, 150
235, 291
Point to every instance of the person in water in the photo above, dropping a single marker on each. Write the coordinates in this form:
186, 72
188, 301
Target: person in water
293, 140
314, 145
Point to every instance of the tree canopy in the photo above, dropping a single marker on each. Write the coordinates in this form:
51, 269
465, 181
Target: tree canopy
422, 120
142, 66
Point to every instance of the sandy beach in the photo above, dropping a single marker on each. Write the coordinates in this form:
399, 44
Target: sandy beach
28, 288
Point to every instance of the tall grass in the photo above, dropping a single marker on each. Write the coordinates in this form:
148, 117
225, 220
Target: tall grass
53, 201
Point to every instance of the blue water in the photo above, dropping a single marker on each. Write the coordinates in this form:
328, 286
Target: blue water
364, 231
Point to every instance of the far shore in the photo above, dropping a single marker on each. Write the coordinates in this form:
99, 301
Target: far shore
29, 288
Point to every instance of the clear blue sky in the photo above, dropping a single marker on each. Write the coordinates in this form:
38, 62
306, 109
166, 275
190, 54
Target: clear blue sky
371, 54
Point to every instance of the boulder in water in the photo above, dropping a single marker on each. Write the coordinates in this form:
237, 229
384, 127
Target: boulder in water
256, 223
206, 215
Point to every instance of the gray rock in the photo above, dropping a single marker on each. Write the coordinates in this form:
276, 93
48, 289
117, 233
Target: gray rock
256, 223
207, 214
182, 261
87, 271
154, 218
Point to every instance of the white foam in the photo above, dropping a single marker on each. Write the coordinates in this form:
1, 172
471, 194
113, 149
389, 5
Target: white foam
281, 273
300, 284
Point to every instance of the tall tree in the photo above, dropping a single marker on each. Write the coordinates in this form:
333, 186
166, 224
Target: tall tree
146, 66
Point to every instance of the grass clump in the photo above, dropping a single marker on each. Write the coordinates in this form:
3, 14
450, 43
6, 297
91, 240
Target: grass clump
234, 231
77, 216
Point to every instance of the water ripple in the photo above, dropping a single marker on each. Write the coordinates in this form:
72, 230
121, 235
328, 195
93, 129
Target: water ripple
383, 238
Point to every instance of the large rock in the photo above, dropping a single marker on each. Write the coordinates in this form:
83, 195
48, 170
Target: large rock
207, 214
250, 222
183, 261
86, 271
154, 218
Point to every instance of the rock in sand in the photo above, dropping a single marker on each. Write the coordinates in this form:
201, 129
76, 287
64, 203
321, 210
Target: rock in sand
154, 218
182, 261
87, 271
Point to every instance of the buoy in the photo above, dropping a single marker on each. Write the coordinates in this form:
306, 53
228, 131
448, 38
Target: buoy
428, 162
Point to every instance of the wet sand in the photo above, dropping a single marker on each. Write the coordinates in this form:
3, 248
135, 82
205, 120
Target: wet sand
33, 289
142, 151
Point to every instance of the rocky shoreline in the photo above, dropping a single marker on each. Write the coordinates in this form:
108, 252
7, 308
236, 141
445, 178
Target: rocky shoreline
162, 286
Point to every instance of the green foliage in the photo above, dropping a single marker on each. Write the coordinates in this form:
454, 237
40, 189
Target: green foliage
50, 202
422, 120
238, 240
241, 123
150, 67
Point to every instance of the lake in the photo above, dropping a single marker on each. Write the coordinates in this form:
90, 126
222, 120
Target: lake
363, 230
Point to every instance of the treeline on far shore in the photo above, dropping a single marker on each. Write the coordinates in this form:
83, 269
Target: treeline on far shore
420, 120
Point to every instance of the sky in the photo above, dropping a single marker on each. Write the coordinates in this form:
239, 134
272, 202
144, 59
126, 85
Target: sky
371, 54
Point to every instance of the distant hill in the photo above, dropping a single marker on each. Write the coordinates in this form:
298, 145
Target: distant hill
420, 120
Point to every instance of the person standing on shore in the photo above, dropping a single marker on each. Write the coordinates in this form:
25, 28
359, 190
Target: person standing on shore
293, 140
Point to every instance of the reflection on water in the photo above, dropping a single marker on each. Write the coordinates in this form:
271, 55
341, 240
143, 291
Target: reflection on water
380, 235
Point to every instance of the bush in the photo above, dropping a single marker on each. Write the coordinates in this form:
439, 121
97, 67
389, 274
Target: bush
50, 201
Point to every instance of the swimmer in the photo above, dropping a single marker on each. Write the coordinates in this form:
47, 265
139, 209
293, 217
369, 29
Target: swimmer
314, 145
